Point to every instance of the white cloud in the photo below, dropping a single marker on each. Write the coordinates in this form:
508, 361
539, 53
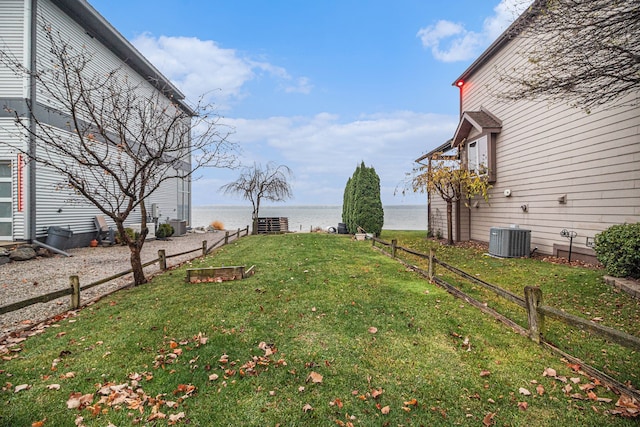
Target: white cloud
202, 67
450, 41
323, 150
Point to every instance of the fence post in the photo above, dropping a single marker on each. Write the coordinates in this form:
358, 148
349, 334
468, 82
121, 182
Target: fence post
373, 241
226, 237
75, 296
533, 299
394, 242
238, 233
163, 259
247, 232
204, 247
432, 266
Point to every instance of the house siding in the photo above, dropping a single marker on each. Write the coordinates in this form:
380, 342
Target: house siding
56, 204
545, 151
13, 39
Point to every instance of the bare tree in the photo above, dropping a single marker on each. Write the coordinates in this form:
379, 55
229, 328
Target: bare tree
112, 137
255, 184
586, 52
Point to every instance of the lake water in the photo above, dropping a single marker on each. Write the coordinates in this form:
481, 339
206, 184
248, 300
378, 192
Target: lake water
304, 218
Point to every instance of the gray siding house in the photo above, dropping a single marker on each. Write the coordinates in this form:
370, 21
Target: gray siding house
553, 167
31, 199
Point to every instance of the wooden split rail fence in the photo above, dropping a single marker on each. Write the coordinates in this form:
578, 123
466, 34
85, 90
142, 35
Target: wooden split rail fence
74, 281
532, 303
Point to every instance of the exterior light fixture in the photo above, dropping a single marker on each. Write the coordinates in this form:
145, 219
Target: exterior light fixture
460, 83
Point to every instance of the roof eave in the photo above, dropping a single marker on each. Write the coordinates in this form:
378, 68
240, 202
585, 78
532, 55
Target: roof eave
441, 149
507, 35
97, 26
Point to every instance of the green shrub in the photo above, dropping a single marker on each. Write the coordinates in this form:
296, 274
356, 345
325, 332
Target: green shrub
130, 233
618, 249
164, 231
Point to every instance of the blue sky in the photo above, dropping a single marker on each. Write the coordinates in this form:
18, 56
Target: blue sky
319, 86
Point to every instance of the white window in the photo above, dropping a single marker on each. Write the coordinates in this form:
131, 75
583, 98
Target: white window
478, 155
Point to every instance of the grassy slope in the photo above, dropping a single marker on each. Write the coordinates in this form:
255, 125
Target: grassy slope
314, 298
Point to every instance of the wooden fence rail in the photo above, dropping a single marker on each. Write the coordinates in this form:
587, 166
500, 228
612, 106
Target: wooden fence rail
532, 303
74, 289
536, 313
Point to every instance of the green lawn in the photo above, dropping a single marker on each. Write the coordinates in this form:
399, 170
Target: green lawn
327, 332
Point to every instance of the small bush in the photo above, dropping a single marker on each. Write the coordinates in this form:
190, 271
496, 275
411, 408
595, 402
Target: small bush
129, 231
217, 225
164, 231
618, 249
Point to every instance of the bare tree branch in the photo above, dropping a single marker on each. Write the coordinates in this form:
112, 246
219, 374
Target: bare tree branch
112, 136
586, 52
256, 183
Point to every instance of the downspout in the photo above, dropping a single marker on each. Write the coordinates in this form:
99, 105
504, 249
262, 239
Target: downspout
429, 230
30, 219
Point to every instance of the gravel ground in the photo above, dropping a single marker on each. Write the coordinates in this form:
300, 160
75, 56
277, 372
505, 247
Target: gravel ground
28, 279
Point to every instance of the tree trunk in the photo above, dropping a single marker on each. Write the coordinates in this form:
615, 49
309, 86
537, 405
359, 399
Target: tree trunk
134, 245
136, 264
449, 223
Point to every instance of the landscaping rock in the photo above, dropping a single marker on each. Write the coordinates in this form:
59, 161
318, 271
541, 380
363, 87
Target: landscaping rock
22, 253
4, 260
4, 252
44, 252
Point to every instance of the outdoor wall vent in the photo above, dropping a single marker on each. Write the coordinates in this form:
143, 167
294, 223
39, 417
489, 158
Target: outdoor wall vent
509, 242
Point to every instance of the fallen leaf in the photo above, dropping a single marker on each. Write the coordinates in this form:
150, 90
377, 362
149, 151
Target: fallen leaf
53, 386
314, 377
213, 377
485, 373
540, 389
373, 330
575, 367
523, 406
307, 408
38, 423
549, 372
21, 387
174, 418
375, 393
412, 402
524, 391
385, 410
488, 421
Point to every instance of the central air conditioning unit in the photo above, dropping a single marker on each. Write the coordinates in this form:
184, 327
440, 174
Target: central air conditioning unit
509, 242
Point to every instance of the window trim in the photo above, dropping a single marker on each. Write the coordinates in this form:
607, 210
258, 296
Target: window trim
490, 138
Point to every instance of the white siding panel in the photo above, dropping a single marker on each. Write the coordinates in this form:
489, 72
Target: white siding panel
13, 16
167, 199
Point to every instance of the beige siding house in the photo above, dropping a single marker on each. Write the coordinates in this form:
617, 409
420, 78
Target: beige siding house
552, 167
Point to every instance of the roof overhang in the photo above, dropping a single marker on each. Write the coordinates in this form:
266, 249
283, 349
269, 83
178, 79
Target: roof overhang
436, 151
482, 121
516, 27
96, 26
